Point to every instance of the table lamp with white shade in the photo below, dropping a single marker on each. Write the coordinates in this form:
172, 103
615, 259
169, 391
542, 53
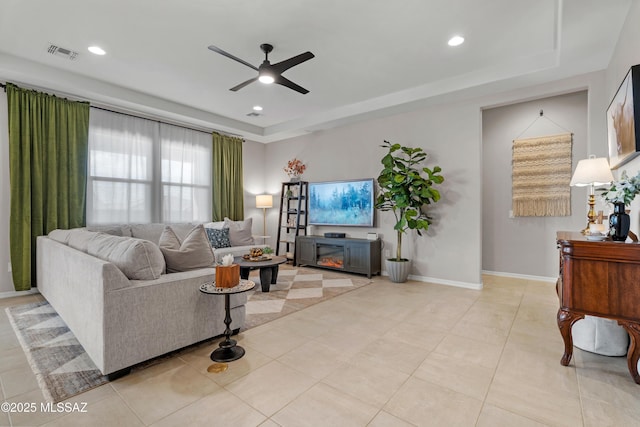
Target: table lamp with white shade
591, 172
264, 201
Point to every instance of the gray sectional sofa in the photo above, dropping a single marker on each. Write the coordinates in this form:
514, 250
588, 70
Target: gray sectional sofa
123, 307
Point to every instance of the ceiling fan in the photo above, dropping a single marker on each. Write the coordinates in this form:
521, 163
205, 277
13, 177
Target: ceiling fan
267, 72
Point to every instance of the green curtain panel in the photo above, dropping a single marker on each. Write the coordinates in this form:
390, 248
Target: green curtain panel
48, 144
228, 186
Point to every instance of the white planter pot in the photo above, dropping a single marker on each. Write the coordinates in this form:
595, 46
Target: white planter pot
398, 270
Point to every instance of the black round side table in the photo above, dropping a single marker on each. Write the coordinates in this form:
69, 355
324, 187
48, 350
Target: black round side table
228, 350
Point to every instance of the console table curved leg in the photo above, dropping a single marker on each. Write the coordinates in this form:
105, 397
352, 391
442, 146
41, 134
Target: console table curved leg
633, 355
566, 319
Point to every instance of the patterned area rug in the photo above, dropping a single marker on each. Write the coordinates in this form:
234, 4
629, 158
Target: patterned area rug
63, 369
296, 289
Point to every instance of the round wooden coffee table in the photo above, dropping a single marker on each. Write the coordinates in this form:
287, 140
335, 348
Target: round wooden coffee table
268, 269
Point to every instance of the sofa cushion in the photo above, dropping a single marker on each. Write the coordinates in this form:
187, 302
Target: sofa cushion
239, 232
114, 230
60, 236
138, 259
152, 232
79, 238
218, 238
216, 225
192, 253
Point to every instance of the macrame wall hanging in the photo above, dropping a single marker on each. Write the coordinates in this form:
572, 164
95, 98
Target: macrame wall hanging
541, 173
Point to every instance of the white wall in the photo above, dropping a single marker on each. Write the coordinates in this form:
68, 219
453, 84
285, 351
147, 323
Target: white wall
449, 134
526, 245
452, 135
626, 54
253, 167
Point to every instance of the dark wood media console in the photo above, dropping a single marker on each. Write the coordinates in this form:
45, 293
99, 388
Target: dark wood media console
361, 256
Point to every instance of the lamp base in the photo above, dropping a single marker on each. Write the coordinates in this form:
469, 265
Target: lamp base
591, 215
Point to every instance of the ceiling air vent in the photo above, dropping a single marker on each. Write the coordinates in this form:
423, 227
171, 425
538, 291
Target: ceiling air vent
61, 51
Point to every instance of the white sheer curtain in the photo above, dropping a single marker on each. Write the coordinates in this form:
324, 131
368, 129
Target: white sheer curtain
143, 171
186, 174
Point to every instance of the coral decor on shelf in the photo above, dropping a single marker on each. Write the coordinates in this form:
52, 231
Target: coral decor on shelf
294, 168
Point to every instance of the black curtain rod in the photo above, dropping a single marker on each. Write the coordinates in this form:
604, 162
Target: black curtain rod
4, 87
167, 123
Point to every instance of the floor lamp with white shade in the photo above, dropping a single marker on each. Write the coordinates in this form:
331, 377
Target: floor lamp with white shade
264, 201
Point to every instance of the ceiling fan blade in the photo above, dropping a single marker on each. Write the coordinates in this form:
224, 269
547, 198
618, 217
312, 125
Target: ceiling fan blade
283, 66
228, 55
243, 84
291, 85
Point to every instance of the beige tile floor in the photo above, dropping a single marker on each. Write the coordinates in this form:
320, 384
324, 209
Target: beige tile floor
411, 354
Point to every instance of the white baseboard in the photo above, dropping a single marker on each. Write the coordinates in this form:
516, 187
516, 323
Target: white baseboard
521, 276
467, 285
12, 294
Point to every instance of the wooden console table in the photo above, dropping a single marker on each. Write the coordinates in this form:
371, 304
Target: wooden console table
599, 279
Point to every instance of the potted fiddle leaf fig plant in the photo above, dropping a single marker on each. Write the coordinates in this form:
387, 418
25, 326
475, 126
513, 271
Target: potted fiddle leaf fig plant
406, 187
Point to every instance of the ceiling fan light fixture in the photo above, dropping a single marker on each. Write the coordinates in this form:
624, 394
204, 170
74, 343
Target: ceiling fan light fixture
455, 41
268, 73
266, 79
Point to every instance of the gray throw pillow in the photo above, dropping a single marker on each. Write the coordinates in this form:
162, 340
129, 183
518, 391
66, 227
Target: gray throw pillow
239, 232
192, 253
138, 259
218, 238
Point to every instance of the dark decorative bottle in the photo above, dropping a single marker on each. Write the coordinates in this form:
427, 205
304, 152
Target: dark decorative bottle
619, 223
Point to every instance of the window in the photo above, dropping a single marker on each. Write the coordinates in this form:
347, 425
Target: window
143, 171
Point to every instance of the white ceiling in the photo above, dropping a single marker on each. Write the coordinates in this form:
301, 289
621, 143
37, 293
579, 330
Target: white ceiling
371, 56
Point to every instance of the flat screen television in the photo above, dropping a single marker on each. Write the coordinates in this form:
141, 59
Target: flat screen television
342, 203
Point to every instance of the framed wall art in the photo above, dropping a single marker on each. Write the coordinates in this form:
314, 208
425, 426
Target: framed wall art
623, 120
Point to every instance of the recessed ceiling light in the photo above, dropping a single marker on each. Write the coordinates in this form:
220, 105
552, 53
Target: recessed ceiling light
96, 50
257, 108
456, 41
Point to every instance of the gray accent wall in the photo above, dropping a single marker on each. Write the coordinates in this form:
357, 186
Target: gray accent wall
452, 133
626, 54
526, 245
450, 250
253, 171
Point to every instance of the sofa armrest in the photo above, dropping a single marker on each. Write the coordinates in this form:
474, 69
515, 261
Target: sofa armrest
75, 284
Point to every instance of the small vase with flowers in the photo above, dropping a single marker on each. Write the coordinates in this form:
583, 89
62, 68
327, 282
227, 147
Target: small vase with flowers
621, 194
294, 169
